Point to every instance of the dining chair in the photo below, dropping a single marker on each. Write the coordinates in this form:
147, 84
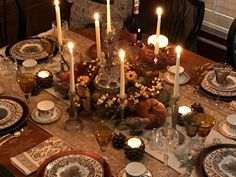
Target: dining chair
21, 31
181, 20
231, 55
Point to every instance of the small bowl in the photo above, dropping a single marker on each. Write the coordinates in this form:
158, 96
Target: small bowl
231, 121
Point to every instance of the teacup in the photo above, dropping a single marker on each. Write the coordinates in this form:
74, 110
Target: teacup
172, 70
29, 65
231, 121
45, 109
135, 169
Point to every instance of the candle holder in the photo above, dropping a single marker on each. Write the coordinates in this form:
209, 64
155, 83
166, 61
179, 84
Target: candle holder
44, 78
134, 150
174, 103
120, 124
74, 122
108, 76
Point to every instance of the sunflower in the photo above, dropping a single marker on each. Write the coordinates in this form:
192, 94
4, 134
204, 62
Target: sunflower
131, 75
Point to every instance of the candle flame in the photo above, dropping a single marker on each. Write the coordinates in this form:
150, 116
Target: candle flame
96, 16
159, 11
122, 54
178, 49
139, 30
70, 46
56, 2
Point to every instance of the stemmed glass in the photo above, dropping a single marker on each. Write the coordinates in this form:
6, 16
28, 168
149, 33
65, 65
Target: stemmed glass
103, 135
25, 80
169, 142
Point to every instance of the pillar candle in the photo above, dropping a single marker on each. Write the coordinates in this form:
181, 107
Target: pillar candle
58, 19
159, 12
122, 74
97, 31
176, 84
108, 17
72, 75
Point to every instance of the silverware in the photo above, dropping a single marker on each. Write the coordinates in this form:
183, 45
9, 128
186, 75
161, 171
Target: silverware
14, 135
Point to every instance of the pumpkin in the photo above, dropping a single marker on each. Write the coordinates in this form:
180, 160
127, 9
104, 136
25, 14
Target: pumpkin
154, 110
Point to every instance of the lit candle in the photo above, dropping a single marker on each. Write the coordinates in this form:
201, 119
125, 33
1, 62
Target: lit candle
162, 40
72, 76
58, 19
108, 17
43, 74
183, 110
176, 84
134, 142
159, 12
97, 31
122, 74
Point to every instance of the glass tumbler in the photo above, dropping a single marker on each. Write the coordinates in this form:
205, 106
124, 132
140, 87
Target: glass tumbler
222, 70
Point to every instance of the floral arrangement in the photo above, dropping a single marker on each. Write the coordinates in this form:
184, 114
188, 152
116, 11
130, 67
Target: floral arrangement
139, 86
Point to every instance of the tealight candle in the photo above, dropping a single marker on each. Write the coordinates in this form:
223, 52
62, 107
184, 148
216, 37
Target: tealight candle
162, 40
44, 78
43, 74
134, 148
183, 110
134, 142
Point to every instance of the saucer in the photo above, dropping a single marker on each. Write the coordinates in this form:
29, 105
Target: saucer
183, 79
122, 173
44, 120
225, 130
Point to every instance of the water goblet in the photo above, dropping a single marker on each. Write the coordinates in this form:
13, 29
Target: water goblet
222, 70
26, 81
169, 142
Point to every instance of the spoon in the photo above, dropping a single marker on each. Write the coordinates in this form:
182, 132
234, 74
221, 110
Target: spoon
14, 135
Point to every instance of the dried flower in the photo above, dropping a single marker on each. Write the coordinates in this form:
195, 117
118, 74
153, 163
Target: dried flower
131, 75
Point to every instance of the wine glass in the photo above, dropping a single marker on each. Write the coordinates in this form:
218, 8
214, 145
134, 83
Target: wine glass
169, 142
103, 135
25, 80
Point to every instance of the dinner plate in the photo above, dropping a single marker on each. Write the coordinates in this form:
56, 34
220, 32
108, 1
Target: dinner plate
225, 130
122, 173
227, 90
32, 48
68, 163
183, 79
202, 155
46, 120
15, 114
221, 163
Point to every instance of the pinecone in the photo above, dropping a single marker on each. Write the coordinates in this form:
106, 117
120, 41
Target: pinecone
197, 107
36, 90
118, 140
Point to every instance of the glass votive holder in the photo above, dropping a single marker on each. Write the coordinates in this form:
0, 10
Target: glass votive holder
205, 122
134, 148
44, 78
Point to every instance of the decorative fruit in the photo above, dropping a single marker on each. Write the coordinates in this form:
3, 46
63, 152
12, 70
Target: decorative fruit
65, 77
153, 110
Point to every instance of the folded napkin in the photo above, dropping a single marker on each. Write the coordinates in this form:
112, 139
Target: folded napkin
30, 160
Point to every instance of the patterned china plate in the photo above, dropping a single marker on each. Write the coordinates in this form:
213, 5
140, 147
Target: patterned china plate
28, 49
221, 163
74, 165
225, 130
227, 90
183, 79
122, 173
43, 120
10, 112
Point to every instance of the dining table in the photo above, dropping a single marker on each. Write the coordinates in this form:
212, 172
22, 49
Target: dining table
35, 133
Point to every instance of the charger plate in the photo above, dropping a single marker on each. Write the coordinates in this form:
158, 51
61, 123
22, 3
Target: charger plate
203, 154
13, 114
226, 90
225, 130
69, 163
221, 163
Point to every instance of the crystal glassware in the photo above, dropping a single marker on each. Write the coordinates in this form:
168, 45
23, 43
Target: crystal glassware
222, 70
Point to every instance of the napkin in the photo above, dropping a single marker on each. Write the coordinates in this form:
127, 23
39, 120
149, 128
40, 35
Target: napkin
30, 160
